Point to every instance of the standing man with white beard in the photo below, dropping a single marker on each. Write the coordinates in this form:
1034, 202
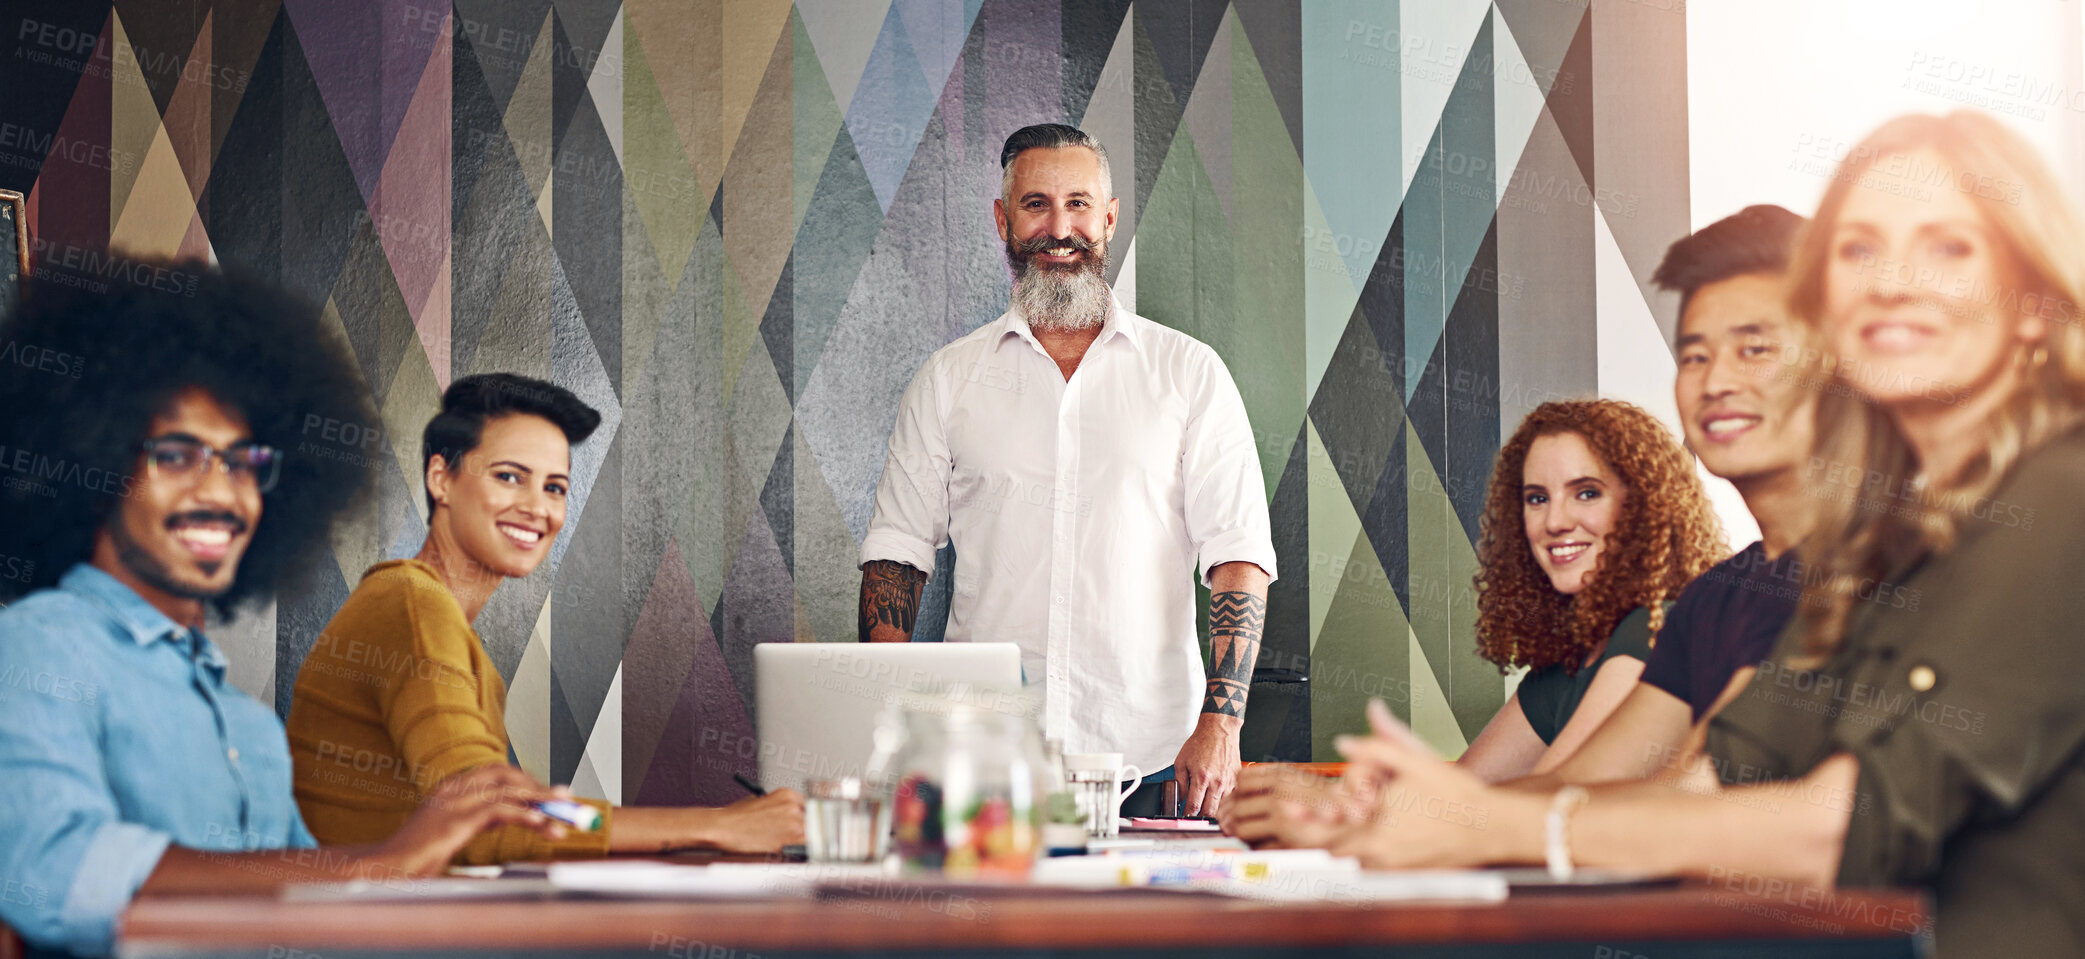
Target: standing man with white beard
1086, 463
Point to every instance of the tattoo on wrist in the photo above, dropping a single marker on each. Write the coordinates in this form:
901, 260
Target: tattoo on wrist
1236, 620
890, 596
1225, 697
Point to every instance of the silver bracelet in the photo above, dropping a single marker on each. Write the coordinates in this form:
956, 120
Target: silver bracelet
1557, 847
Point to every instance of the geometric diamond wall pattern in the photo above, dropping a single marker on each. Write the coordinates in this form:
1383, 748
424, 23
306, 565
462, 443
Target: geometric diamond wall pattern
737, 229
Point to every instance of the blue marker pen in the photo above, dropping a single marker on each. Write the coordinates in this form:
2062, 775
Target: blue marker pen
581, 816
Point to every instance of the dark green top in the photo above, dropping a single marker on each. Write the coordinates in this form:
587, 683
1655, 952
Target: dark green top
1550, 695
1956, 688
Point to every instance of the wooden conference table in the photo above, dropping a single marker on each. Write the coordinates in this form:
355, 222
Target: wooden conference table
1693, 920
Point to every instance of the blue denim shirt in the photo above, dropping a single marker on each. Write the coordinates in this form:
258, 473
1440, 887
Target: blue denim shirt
118, 736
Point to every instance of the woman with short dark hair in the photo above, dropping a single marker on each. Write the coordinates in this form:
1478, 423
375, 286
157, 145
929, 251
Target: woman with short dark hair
399, 695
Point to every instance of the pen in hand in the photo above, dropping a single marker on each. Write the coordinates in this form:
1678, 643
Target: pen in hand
792, 852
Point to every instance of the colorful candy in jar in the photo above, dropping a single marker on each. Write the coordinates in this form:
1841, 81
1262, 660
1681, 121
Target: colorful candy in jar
917, 825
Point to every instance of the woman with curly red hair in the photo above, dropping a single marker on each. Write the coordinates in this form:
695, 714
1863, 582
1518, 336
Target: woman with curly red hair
1593, 521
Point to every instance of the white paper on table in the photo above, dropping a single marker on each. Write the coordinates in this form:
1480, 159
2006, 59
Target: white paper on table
1283, 875
417, 890
1167, 844
1357, 888
1177, 868
751, 880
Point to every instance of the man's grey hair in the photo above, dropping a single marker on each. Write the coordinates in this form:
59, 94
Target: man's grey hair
1050, 135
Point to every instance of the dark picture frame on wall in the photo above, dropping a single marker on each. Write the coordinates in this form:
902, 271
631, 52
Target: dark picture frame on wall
14, 257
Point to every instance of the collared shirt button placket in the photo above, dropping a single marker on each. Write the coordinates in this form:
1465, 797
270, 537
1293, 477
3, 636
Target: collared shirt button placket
1062, 560
205, 679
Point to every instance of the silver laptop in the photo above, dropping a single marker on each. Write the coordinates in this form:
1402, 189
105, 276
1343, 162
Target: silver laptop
815, 705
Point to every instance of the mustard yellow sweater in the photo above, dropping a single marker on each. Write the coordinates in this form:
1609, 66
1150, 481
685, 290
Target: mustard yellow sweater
397, 696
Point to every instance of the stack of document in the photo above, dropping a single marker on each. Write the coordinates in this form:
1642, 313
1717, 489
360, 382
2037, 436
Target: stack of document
1284, 875
1278, 875
417, 890
748, 880
1189, 842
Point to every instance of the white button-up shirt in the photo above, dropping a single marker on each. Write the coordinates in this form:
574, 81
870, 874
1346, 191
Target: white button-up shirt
1080, 511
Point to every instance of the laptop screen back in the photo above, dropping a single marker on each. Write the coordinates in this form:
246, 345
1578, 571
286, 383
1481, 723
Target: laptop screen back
816, 704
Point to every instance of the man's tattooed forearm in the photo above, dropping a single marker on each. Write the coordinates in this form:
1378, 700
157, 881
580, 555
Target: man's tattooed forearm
890, 596
1236, 621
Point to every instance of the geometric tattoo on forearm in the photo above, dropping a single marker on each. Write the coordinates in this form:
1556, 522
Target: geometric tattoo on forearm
890, 596
1236, 620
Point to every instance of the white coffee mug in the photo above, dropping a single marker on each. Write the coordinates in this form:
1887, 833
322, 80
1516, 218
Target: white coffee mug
1096, 783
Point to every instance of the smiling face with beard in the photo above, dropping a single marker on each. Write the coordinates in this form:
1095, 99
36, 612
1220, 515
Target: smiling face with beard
1063, 297
1056, 220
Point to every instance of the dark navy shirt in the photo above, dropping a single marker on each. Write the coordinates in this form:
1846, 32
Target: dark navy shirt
1725, 620
1549, 696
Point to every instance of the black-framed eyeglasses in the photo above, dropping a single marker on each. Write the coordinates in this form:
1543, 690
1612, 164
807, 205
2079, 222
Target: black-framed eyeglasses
187, 458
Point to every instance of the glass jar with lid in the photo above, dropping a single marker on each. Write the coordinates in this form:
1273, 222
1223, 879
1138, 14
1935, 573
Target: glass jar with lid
968, 782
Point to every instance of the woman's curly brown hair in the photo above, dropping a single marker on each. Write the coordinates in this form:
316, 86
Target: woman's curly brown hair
1665, 535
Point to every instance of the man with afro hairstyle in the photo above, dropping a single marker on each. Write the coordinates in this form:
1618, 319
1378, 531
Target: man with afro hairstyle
147, 469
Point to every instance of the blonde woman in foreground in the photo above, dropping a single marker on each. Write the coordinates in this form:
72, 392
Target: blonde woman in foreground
1934, 744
